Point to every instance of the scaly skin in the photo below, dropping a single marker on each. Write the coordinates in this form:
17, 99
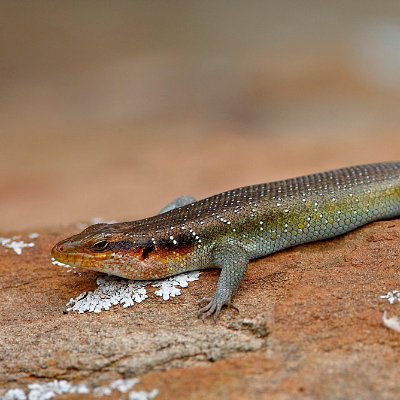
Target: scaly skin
229, 229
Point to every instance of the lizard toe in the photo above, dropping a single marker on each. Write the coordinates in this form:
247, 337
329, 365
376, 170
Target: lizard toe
213, 308
205, 300
207, 310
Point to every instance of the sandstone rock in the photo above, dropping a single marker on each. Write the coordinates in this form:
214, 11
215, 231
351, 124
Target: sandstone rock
310, 326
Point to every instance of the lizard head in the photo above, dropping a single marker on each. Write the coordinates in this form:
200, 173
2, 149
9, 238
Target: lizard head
108, 248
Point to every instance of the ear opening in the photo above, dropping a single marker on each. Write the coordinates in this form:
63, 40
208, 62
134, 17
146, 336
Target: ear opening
147, 250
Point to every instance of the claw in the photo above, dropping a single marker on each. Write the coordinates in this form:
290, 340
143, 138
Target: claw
207, 310
205, 300
216, 314
233, 306
213, 307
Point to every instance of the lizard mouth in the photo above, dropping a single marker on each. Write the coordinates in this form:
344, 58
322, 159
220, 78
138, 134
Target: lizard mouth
66, 254
59, 253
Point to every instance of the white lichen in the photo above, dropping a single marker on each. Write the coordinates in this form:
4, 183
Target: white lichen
112, 290
102, 391
392, 297
124, 385
46, 391
68, 267
15, 394
59, 264
143, 395
392, 323
14, 244
170, 287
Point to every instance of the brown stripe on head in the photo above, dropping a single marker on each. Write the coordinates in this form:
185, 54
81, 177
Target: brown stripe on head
163, 249
106, 248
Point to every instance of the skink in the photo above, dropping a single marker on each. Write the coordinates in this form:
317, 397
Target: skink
229, 229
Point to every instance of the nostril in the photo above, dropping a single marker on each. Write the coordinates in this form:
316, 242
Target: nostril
61, 248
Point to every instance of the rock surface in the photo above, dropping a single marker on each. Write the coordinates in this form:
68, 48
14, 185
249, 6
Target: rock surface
310, 326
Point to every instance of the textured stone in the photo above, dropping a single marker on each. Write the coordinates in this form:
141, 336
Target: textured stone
310, 325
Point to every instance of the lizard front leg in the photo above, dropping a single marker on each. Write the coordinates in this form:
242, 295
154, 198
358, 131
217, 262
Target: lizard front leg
179, 202
233, 261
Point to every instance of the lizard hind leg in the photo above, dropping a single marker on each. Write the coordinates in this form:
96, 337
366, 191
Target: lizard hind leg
179, 202
233, 261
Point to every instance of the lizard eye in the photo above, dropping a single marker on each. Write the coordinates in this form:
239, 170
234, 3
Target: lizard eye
100, 246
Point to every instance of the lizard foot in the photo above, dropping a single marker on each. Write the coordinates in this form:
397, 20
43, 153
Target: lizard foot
213, 307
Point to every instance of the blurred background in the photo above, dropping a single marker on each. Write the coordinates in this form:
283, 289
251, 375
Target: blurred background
113, 109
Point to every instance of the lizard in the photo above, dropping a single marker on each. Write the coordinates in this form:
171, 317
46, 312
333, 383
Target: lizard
229, 229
